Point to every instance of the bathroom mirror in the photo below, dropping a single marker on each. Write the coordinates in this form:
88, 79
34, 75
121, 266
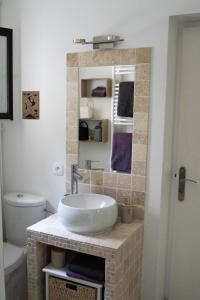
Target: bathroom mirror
106, 100
93, 80
6, 74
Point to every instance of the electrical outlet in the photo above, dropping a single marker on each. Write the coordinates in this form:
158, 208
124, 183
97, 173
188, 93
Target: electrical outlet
58, 169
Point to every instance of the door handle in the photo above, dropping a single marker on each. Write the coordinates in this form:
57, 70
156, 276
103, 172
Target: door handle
187, 179
182, 181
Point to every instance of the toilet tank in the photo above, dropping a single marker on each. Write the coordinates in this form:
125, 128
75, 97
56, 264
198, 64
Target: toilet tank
20, 211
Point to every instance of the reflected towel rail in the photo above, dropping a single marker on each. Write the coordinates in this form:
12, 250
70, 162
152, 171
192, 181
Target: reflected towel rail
120, 73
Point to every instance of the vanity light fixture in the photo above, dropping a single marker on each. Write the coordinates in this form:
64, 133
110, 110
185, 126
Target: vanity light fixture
101, 41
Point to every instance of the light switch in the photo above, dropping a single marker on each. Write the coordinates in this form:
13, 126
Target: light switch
58, 169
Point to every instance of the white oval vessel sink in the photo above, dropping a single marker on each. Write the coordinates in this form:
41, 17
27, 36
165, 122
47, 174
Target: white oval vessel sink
87, 213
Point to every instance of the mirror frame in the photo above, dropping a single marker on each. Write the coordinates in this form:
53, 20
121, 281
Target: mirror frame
118, 185
8, 33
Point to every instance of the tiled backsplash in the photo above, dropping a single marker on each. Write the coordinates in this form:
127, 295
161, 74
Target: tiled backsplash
121, 186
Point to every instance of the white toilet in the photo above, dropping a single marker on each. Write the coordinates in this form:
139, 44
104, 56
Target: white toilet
20, 211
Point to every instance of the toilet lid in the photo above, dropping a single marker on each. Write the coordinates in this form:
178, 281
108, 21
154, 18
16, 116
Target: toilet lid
13, 257
23, 199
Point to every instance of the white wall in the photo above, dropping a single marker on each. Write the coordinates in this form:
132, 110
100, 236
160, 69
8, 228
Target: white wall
43, 33
2, 290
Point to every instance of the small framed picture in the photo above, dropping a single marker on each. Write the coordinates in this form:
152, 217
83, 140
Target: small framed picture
31, 105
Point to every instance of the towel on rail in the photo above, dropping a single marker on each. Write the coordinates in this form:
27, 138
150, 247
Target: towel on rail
121, 152
125, 100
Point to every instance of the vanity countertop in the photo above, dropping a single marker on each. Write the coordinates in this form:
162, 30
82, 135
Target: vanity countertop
121, 248
114, 239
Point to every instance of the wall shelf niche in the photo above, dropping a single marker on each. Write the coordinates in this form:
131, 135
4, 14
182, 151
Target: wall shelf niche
91, 124
87, 85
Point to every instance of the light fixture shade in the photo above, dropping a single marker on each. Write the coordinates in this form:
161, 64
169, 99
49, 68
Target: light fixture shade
79, 41
101, 41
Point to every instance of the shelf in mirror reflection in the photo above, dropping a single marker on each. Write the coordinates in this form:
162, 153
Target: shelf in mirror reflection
107, 79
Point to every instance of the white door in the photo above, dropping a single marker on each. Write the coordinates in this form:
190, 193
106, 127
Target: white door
2, 286
184, 273
2, 290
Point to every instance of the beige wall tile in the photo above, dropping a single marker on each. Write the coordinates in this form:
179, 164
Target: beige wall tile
124, 196
140, 121
110, 192
140, 137
96, 178
72, 96
143, 55
110, 179
123, 181
72, 117
142, 88
138, 183
97, 189
68, 175
139, 152
141, 104
112, 57
138, 198
127, 56
72, 159
85, 59
68, 187
142, 72
85, 176
72, 59
72, 133
98, 58
106, 57
72, 147
139, 168
72, 74
83, 188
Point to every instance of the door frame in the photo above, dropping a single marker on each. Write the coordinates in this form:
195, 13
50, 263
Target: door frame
180, 24
2, 282
2, 275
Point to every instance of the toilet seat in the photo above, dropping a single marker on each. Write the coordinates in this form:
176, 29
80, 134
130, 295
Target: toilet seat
13, 257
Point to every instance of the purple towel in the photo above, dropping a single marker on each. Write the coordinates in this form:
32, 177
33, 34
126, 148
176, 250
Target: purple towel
99, 91
79, 276
89, 266
121, 152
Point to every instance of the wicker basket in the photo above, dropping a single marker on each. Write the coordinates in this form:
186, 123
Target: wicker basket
60, 289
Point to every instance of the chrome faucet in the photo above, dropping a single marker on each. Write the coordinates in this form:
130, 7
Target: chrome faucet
75, 176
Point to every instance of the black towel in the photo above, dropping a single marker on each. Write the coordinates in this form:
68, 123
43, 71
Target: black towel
125, 101
89, 266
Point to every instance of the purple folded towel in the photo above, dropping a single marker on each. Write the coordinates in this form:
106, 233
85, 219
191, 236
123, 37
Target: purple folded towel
88, 266
121, 152
79, 276
99, 91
